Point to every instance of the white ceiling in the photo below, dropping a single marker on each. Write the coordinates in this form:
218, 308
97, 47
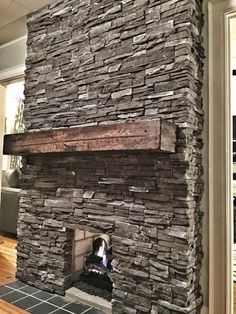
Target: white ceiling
12, 10
12, 17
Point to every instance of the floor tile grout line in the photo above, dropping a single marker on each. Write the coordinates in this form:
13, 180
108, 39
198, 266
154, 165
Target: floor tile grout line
27, 295
11, 287
69, 302
14, 290
85, 311
62, 309
35, 297
30, 287
20, 299
58, 307
8, 285
41, 301
5, 294
30, 307
46, 301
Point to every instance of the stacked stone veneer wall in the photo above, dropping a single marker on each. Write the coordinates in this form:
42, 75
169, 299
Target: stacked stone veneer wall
109, 61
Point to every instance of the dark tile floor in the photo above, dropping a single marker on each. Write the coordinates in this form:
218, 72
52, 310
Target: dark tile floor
36, 301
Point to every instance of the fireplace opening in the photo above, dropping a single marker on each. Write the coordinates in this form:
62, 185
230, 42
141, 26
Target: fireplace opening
93, 263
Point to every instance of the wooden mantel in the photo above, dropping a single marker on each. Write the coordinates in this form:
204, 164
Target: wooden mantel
142, 135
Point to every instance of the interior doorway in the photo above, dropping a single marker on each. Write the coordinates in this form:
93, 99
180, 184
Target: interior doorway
221, 218
10, 170
11, 114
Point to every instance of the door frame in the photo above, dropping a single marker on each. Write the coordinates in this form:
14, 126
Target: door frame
220, 154
2, 122
12, 73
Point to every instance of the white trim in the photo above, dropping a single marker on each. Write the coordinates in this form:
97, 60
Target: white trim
229, 187
2, 124
13, 41
12, 72
220, 185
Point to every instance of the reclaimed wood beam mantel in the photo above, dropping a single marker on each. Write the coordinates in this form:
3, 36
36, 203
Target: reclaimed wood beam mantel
142, 135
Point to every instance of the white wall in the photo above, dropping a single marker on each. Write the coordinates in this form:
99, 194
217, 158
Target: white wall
12, 63
16, 29
12, 54
2, 101
233, 64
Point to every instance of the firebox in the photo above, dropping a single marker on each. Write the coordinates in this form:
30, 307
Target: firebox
92, 263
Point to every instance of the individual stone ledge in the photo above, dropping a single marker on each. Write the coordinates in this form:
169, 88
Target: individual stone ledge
122, 93
109, 181
58, 203
53, 223
178, 232
88, 194
180, 309
62, 192
113, 10
115, 68
138, 189
99, 29
137, 273
159, 269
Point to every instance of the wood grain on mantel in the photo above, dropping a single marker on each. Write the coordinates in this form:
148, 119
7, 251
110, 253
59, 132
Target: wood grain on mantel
142, 135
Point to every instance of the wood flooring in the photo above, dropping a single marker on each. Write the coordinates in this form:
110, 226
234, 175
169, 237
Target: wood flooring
7, 259
7, 308
7, 271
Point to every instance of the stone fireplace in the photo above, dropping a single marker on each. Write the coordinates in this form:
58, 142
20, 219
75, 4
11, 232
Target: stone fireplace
104, 62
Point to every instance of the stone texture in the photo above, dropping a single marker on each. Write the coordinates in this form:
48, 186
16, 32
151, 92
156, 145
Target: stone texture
98, 62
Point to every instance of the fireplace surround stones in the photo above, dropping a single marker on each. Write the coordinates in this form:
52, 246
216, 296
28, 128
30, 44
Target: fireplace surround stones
153, 233
100, 62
